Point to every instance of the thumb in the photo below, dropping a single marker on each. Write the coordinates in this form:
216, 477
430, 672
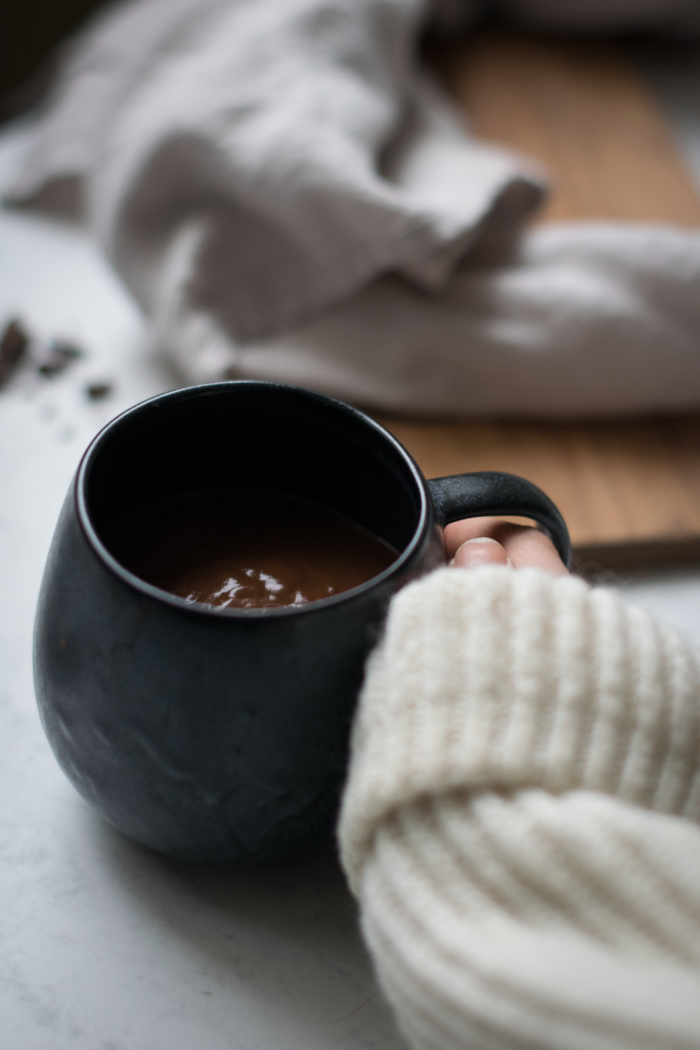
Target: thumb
480, 551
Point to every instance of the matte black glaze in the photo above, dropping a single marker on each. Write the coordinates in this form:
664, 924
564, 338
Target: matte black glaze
217, 734
486, 492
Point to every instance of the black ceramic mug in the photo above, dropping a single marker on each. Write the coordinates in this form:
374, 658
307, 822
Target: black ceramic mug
217, 733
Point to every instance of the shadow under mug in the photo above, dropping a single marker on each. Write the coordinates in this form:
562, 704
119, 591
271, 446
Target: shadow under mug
214, 733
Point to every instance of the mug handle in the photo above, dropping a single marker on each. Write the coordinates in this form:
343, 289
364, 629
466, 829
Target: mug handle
489, 492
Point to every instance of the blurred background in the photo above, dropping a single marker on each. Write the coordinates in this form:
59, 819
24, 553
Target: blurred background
30, 32
616, 121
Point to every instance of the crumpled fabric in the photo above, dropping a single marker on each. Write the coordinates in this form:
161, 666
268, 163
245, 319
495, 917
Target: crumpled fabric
288, 195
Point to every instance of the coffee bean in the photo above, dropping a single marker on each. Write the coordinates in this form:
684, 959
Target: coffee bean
61, 354
13, 346
98, 391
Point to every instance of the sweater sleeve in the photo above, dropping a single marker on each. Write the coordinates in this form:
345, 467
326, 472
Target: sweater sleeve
520, 818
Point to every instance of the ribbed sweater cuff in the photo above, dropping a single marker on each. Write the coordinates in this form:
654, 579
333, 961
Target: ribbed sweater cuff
497, 680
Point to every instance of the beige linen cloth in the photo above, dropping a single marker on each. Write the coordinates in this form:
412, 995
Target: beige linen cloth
289, 197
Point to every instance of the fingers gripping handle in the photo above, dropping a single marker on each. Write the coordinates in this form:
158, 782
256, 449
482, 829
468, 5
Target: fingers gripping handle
491, 493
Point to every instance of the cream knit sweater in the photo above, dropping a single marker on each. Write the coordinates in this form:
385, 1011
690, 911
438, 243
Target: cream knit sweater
520, 819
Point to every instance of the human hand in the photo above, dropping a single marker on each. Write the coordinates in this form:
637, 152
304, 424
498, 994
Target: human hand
492, 541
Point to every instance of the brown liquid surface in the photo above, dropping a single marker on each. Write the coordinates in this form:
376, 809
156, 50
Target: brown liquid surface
247, 549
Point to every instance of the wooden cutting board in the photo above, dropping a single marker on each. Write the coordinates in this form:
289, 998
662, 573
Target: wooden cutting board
630, 490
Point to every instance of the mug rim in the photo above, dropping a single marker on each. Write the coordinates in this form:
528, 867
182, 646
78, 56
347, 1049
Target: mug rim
201, 608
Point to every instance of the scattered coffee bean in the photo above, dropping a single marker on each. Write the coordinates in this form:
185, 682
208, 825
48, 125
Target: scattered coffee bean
61, 354
97, 391
13, 346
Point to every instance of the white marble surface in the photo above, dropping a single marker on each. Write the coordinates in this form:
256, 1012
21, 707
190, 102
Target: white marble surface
104, 945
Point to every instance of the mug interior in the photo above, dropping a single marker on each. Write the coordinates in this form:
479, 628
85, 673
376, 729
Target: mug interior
253, 435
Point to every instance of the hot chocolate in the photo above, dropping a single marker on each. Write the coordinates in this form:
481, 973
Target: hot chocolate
247, 548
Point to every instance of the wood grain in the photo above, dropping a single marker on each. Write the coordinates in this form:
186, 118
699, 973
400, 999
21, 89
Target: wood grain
583, 110
630, 490
618, 484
